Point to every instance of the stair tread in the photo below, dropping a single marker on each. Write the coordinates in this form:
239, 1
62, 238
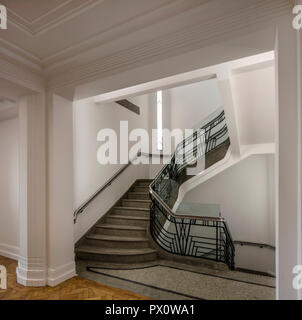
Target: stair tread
111, 251
137, 200
116, 238
120, 227
138, 192
128, 217
132, 208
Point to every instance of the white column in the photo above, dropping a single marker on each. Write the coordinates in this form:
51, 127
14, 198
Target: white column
225, 86
31, 269
60, 227
288, 224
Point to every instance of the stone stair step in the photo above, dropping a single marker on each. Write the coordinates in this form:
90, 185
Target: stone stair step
115, 255
120, 230
116, 242
138, 195
142, 189
144, 183
131, 211
128, 220
136, 203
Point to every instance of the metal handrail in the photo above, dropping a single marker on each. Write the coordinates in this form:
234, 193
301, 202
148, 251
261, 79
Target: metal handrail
183, 241
102, 188
254, 244
163, 204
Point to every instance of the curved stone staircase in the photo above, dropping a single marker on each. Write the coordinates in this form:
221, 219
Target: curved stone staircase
121, 235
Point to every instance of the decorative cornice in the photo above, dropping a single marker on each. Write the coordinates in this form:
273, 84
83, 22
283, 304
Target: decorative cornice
60, 14
99, 40
81, 68
248, 19
29, 60
21, 76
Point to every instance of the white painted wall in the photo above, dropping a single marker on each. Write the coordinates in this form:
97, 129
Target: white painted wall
245, 195
193, 102
185, 106
254, 99
89, 175
9, 188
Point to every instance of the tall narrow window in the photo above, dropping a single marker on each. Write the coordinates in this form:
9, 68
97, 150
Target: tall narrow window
159, 120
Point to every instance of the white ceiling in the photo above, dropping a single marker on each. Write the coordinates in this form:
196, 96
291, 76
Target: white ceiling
31, 10
58, 43
49, 32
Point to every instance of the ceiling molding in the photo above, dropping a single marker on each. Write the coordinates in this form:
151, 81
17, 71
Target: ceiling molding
154, 16
187, 31
27, 59
99, 40
21, 76
53, 18
246, 20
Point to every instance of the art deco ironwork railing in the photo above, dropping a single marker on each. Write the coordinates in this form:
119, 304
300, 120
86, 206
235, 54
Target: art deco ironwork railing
190, 234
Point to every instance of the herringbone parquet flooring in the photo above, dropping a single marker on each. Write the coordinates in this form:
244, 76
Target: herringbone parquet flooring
74, 289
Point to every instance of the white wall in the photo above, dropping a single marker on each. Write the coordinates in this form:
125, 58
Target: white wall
254, 99
245, 195
194, 102
185, 106
9, 188
89, 175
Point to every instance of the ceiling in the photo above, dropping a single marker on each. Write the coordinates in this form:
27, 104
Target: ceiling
31, 10
63, 42
48, 33
36, 16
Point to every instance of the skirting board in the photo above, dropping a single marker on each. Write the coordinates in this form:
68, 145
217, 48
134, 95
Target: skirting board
9, 251
61, 274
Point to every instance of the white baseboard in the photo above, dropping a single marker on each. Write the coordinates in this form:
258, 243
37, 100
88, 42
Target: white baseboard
61, 274
9, 251
31, 272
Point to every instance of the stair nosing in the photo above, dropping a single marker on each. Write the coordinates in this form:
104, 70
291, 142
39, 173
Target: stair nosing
116, 252
129, 217
137, 200
132, 208
121, 227
116, 238
134, 192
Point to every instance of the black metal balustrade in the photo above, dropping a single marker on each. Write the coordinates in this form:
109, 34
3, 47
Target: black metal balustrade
190, 235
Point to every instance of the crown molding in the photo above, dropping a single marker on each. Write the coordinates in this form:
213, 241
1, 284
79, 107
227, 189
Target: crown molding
80, 67
98, 41
53, 18
21, 76
163, 13
246, 20
25, 58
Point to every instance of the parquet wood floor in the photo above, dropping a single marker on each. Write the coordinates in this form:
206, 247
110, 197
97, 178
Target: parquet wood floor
74, 289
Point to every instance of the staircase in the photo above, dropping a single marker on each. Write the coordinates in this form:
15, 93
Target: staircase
121, 235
